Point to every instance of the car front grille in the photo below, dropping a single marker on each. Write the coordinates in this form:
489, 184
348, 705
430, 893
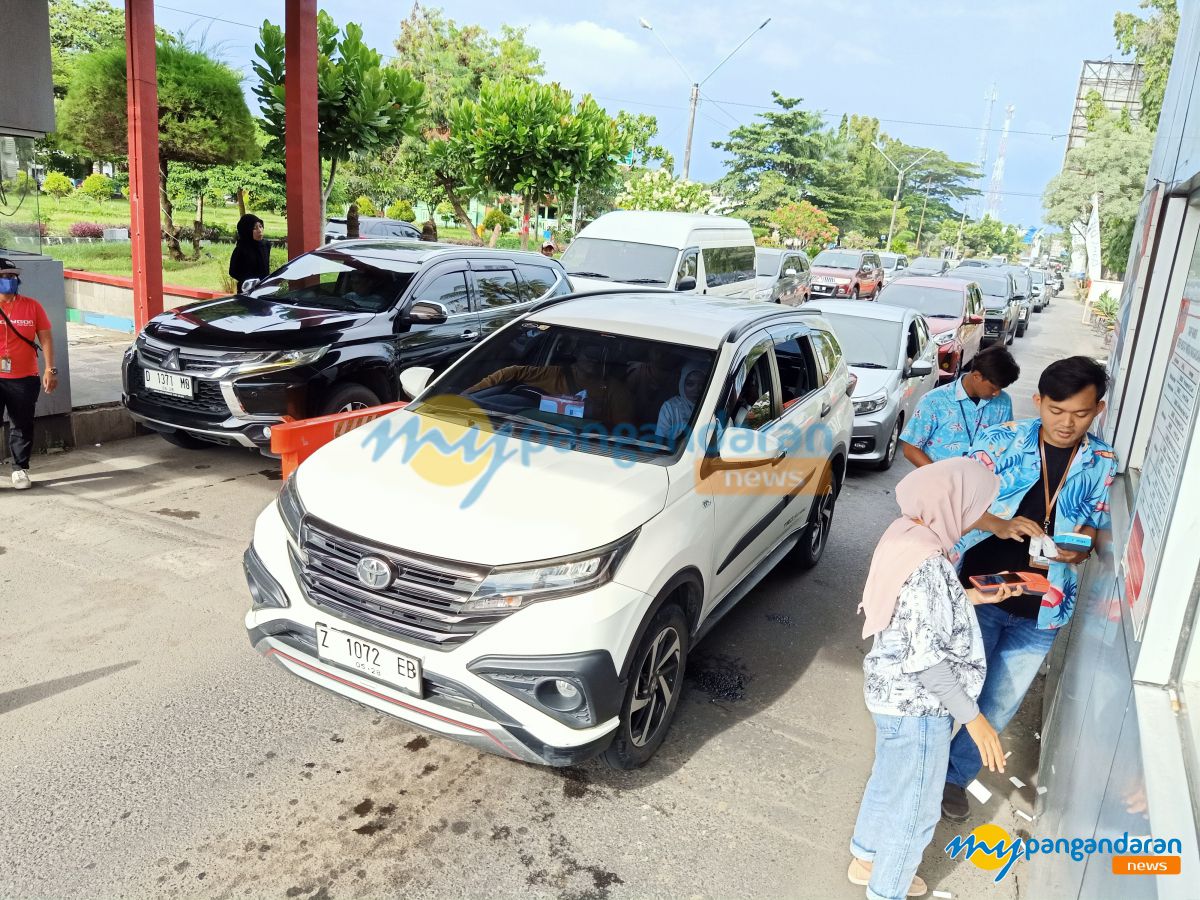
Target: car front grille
207, 401
423, 603
191, 360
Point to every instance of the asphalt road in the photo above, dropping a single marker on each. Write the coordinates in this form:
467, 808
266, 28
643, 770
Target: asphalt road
149, 752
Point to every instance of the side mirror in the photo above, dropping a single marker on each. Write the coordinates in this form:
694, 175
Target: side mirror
414, 379
745, 447
427, 312
851, 385
686, 283
975, 319
248, 285
920, 370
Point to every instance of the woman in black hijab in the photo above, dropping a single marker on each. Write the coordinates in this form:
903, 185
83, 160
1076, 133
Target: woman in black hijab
251, 257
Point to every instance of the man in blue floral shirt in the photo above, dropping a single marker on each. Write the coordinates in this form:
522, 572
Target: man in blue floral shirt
1054, 479
948, 419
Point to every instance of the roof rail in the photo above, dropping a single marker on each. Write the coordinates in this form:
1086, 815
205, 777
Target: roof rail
739, 331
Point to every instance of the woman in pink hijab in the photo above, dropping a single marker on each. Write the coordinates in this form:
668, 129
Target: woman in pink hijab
925, 671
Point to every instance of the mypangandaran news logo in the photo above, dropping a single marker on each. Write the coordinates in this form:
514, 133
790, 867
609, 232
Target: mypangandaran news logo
992, 849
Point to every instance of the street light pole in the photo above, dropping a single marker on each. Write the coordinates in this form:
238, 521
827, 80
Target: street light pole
924, 205
900, 173
694, 100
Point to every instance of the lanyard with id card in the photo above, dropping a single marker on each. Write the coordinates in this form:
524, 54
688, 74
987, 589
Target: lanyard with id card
10, 328
1038, 560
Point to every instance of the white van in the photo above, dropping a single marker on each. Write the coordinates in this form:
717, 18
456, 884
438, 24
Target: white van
679, 251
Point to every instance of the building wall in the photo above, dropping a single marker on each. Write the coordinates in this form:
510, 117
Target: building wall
1115, 757
25, 60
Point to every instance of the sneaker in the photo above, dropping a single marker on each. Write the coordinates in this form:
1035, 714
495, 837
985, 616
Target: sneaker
954, 803
860, 873
21, 480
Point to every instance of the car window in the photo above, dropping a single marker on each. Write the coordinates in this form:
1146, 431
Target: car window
727, 265
536, 281
802, 264
828, 353
798, 371
449, 289
688, 265
497, 288
752, 401
912, 347
923, 333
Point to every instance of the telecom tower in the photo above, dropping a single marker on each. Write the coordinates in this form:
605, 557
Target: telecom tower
997, 184
989, 100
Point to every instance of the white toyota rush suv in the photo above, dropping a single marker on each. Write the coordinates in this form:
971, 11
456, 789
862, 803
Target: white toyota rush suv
522, 558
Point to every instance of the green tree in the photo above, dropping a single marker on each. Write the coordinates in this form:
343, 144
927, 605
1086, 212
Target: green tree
657, 189
362, 107
80, 27
989, 237
57, 185
202, 116
806, 223
1152, 42
97, 187
445, 212
366, 206
402, 210
641, 130
532, 140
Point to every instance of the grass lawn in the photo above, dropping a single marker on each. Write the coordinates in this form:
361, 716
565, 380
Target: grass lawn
207, 273
60, 215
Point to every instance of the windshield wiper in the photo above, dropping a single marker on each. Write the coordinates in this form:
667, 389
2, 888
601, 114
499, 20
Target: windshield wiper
644, 281
589, 274
867, 365
526, 422
941, 315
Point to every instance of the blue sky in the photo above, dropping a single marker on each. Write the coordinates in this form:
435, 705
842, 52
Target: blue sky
922, 67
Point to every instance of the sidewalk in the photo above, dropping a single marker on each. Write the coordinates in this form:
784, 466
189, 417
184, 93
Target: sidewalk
95, 364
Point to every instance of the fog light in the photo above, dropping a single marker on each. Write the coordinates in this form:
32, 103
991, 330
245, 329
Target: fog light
559, 694
568, 690
267, 432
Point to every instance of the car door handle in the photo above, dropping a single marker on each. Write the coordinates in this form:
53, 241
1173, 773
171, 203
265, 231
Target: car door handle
469, 334
826, 409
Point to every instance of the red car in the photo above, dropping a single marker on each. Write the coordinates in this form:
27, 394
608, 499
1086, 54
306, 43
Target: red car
953, 307
851, 274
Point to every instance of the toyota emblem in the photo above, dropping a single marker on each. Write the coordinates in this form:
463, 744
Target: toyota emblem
375, 572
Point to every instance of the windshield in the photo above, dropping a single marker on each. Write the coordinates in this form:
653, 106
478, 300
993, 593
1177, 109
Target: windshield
766, 265
837, 259
889, 262
993, 286
932, 302
332, 279
867, 343
1038, 276
586, 390
620, 261
926, 264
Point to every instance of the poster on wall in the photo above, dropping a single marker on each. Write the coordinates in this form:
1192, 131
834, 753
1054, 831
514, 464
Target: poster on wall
1174, 424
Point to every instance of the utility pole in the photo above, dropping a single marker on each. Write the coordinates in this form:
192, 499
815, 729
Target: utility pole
694, 100
924, 205
900, 173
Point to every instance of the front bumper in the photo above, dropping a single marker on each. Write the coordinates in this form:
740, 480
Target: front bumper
484, 691
870, 435
994, 330
820, 291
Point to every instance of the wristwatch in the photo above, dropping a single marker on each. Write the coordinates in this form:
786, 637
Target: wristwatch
52, 370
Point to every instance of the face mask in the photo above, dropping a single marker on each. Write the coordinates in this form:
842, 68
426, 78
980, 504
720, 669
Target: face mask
9, 284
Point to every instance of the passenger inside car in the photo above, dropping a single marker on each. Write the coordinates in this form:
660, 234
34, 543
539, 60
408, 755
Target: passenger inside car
675, 413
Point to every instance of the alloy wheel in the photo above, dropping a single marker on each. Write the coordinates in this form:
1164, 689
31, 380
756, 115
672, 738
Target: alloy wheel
656, 684
822, 522
352, 406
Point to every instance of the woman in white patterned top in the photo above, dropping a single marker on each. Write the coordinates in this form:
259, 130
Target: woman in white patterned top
925, 670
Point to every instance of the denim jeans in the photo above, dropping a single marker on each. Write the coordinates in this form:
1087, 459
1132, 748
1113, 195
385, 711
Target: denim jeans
903, 799
1015, 648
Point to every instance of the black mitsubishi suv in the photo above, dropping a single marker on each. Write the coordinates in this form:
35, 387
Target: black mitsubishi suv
329, 332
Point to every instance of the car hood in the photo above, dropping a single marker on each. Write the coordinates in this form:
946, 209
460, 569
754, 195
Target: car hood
579, 283
872, 381
832, 272
255, 323
938, 325
387, 482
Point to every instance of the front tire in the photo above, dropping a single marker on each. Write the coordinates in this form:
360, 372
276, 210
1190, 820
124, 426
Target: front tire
348, 398
655, 683
811, 547
1012, 336
854, 293
893, 444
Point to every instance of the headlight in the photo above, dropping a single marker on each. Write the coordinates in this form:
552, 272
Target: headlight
291, 510
509, 588
842, 280
284, 359
871, 404
944, 338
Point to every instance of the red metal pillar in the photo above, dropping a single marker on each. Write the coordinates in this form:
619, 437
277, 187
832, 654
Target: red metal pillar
145, 229
302, 150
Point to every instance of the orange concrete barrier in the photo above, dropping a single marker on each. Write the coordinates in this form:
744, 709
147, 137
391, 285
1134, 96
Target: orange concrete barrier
295, 440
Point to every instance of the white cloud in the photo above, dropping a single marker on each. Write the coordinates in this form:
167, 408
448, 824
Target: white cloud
585, 56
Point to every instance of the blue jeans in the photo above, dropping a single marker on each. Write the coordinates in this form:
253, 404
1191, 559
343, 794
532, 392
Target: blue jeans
1015, 648
902, 801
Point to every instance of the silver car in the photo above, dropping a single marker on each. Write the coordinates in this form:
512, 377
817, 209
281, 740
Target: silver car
890, 351
781, 276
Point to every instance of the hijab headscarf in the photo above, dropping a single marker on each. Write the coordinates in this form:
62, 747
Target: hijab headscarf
938, 503
250, 258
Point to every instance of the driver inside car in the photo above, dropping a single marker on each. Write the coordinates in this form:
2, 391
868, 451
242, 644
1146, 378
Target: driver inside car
607, 399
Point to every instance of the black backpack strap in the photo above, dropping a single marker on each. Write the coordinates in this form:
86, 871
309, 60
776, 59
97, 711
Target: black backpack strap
13, 329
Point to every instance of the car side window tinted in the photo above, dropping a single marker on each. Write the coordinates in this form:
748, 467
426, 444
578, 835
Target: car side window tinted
537, 281
751, 400
799, 373
828, 353
497, 288
449, 289
727, 265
